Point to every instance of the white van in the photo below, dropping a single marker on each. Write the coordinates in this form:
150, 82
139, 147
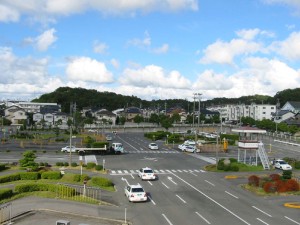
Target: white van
117, 148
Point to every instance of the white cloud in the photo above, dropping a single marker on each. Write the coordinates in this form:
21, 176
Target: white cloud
248, 34
163, 49
8, 14
43, 41
100, 48
115, 63
224, 52
46, 10
154, 76
87, 69
289, 48
145, 42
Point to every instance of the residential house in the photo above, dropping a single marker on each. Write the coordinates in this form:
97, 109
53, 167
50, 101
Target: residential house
132, 112
104, 116
292, 106
15, 114
293, 120
282, 115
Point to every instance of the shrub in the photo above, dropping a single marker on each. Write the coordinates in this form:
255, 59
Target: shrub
73, 164
30, 175
42, 164
99, 167
253, 180
227, 167
59, 163
280, 185
59, 189
80, 178
10, 178
66, 164
275, 177
2, 167
102, 182
6, 193
90, 165
297, 165
220, 165
234, 168
232, 160
270, 187
292, 185
53, 175
287, 174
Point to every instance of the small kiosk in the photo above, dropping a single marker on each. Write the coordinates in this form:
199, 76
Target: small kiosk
250, 146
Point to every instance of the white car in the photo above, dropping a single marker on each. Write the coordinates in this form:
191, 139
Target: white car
109, 138
153, 146
135, 193
190, 142
146, 174
281, 164
67, 149
182, 146
190, 148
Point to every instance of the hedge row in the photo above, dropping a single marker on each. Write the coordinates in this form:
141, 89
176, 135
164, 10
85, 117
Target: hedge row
2, 167
6, 193
31, 187
30, 175
80, 178
55, 175
101, 182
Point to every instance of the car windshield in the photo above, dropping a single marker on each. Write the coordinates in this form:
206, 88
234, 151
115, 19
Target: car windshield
148, 171
137, 190
282, 162
153, 144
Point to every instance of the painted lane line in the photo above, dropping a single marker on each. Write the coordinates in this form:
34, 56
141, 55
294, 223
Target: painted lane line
202, 217
132, 176
292, 220
125, 180
185, 171
150, 183
211, 199
165, 185
131, 171
194, 174
125, 171
231, 194
209, 182
262, 221
170, 179
152, 200
113, 171
181, 199
261, 211
120, 171
179, 171
174, 171
166, 218
202, 171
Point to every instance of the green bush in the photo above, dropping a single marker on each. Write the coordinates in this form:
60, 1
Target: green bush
286, 174
297, 165
52, 175
2, 167
31, 187
5, 193
253, 180
101, 182
90, 165
59, 163
234, 168
66, 164
80, 178
10, 178
98, 167
220, 165
74, 164
227, 167
30, 175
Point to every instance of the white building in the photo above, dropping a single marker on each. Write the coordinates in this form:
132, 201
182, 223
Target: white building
31, 107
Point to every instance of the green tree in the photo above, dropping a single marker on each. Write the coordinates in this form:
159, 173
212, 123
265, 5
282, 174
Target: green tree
154, 118
138, 119
28, 160
122, 120
175, 118
166, 122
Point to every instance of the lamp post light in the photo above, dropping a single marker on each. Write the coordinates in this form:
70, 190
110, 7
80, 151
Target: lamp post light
70, 146
167, 139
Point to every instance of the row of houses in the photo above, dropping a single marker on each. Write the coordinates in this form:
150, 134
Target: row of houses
50, 113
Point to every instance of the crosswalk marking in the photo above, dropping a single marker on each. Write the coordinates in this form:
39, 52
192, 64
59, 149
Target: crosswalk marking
165, 171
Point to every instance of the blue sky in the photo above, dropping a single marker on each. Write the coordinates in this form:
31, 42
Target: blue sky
152, 49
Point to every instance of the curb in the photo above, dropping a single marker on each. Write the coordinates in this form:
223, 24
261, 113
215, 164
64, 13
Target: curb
295, 205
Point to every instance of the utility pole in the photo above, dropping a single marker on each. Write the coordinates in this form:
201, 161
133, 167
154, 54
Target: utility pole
194, 111
165, 108
277, 108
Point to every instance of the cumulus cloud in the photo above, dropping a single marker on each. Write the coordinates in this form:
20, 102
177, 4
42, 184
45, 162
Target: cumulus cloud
43, 41
154, 76
289, 48
12, 10
115, 63
224, 52
163, 49
87, 69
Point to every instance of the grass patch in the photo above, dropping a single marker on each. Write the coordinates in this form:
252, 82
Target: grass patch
242, 168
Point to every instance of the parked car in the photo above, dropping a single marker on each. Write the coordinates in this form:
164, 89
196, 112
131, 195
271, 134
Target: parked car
135, 193
67, 149
153, 146
182, 146
190, 148
108, 138
281, 164
146, 174
190, 142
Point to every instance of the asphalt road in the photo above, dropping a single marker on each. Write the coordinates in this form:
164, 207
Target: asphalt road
184, 193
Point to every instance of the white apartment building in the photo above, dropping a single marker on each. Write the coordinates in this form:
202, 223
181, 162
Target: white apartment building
30, 107
236, 112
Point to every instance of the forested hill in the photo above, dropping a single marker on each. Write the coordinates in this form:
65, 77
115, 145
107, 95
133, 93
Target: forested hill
111, 101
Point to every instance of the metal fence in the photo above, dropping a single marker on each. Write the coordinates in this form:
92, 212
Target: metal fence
82, 193
5, 213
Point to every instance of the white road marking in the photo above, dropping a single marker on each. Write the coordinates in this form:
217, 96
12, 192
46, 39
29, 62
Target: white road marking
152, 200
181, 199
170, 179
292, 220
166, 218
150, 183
124, 179
203, 171
261, 211
202, 217
262, 221
214, 201
131, 171
125, 171
179, 171
132, 176
165, 185
209, 182
119, 171
231, 194
194, 174
113, 171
